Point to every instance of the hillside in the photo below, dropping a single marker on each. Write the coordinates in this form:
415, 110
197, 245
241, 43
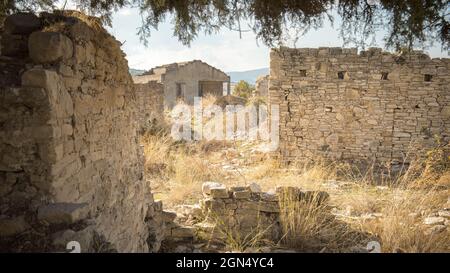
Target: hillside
249, 76
135, 72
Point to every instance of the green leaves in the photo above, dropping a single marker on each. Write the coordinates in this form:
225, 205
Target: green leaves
406, 23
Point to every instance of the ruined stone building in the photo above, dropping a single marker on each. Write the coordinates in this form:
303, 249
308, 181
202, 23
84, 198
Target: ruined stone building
187, 80
71, 167
371, 106
262, 86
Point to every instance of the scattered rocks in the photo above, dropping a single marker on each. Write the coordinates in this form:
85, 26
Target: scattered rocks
49, 47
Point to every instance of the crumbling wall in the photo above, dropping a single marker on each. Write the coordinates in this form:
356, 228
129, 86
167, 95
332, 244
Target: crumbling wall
150, 99
371, 106
262, 86
71, 167
238, 212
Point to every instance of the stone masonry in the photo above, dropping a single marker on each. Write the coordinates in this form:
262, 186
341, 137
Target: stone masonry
262, 86
237, 212
71, 167
150, 99
371, 106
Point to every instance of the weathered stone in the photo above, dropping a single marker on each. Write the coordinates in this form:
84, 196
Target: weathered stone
241, 194
44, 78
207, 186
21, 23
239, 188
270, 197
49, 47
91, 155
183, 232
434, 220
13, 226
444, 213
219, 193
344, 101
436, 229
269, 206
158, 205
213, 205
255, 188
14, 45
169, 216
192, 75
84, 237
63, 213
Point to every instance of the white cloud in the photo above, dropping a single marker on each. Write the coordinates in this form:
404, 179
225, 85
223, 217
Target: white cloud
125, 12
224, 50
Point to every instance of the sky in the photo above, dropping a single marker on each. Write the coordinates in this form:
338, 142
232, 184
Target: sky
225, 50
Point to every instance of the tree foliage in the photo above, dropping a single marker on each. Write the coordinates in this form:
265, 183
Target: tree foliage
409, 23
243, 89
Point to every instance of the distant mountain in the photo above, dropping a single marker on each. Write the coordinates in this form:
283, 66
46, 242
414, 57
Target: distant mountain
135, 72
249, 76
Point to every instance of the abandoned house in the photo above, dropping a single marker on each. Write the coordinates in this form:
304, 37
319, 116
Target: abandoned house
186, 80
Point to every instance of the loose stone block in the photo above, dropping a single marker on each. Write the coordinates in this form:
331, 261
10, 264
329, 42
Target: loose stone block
219, 193
169, 216
255, 188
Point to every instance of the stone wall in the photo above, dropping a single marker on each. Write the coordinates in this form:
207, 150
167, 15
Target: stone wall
150, 99
237, 212
186, 80
71, 167
262, 86
371, 106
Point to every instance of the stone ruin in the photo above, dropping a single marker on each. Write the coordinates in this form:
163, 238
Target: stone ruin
236, 212
71, 167
372, 106
262, 86
150, 100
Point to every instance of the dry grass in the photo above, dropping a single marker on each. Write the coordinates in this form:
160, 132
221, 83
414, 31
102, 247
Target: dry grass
375, 203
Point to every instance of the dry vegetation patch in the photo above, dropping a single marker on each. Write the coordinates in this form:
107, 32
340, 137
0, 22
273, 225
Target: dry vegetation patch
396, 209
